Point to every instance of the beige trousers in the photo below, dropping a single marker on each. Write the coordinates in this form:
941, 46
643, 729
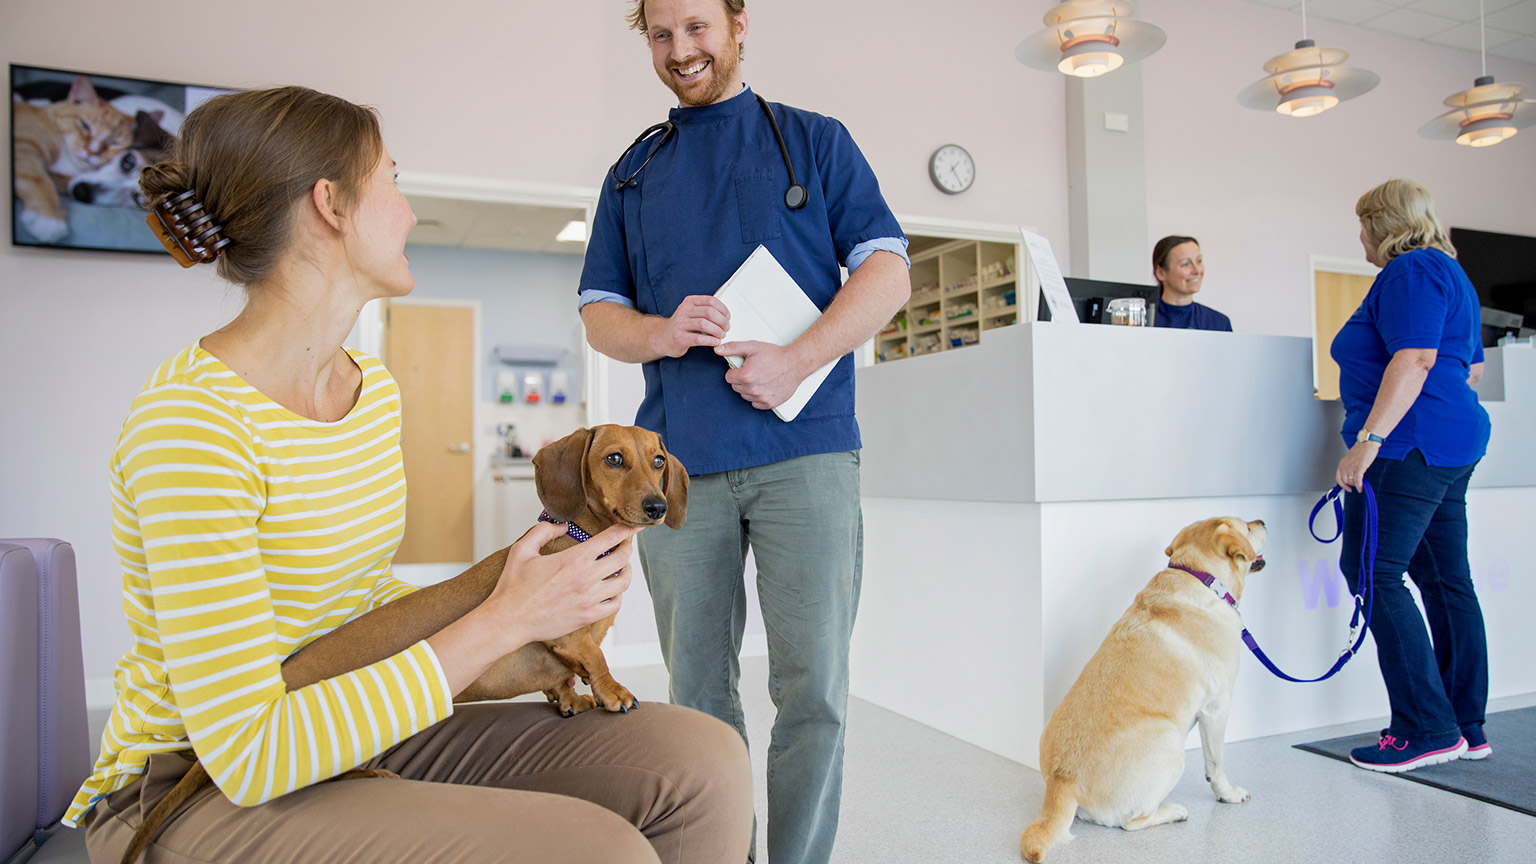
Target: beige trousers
494, 782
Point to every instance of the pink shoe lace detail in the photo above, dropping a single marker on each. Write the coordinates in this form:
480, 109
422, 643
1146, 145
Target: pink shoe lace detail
1391, 741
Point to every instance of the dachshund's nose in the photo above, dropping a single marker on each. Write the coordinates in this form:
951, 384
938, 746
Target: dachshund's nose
655, 508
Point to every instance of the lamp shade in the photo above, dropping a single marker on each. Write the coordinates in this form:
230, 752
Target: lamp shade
1306, 81
1088, 38
1483, 115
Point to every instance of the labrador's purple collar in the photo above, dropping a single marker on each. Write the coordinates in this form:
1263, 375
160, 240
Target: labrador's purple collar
1210, 581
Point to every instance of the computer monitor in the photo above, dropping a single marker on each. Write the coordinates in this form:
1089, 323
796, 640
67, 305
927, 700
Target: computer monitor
1091, 297
1502, 268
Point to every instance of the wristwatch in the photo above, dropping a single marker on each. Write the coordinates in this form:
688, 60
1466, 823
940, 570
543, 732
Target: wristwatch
1367, 435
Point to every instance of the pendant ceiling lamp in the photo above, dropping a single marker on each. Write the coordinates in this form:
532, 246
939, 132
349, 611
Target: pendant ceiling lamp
1484, 115
1088, 38
1308, 80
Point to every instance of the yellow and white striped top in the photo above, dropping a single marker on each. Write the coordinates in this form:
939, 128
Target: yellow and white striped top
245, 532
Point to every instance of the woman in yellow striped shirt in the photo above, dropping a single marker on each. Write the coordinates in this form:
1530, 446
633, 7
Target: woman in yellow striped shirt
258, 497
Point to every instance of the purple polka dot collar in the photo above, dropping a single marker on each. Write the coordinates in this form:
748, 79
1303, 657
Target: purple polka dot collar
571, 529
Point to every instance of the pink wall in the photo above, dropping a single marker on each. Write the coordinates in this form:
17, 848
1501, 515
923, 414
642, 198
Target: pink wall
549, 92
537, 91
1263, 192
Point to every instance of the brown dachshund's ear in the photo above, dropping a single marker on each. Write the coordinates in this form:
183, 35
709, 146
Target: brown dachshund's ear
674, 482
558, 473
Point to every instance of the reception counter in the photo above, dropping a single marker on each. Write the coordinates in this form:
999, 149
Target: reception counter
1018, 493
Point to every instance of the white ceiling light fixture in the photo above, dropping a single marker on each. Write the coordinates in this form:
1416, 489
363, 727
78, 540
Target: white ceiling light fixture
1487, 113
1308, 80
575, 231
1089, 38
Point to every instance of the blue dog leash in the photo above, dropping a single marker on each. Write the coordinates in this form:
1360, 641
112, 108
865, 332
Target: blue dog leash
1360, 621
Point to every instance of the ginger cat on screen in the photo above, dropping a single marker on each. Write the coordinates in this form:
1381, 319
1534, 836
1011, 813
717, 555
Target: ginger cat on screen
56, 141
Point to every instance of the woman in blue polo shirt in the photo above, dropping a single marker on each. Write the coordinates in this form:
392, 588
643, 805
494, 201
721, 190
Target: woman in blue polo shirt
1179, 269
1407, 359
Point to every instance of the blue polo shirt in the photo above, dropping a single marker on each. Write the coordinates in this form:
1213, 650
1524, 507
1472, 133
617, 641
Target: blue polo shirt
1421, 299
705, 201
1191, 316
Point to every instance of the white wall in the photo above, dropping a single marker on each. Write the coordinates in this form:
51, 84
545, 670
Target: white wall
1262, 191
525, 299
549, 91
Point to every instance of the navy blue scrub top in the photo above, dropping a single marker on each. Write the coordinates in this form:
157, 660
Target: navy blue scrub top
1421, 299
1192, 316
705, 201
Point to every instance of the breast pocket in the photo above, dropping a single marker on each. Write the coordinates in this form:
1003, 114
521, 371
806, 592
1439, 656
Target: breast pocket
758, 201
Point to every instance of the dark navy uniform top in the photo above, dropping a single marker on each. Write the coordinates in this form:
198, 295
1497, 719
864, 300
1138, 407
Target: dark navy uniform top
1421, 299
707, 199
1191, 316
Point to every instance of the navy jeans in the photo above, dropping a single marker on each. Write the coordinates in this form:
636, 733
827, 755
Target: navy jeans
1434, 690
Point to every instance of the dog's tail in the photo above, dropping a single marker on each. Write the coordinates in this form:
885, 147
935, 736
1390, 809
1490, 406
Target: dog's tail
1055, 822
195, 779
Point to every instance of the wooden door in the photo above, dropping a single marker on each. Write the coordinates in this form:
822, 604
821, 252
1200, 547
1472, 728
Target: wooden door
1338, 295
430, 351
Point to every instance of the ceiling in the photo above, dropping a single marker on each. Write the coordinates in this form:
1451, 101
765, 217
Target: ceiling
1511, 24
492, 225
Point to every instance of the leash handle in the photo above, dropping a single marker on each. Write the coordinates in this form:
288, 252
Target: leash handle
1335, 495
1358, 625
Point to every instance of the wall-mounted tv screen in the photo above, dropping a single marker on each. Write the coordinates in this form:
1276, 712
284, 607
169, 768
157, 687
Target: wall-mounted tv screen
78, 143
1502, 268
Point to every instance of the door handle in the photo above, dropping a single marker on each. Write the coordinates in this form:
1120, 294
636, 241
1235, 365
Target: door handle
462, 447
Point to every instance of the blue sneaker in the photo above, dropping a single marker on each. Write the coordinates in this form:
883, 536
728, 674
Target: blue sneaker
1477, 743
1395, 755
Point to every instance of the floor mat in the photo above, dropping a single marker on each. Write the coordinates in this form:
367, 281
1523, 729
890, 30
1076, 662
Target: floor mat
1506, 778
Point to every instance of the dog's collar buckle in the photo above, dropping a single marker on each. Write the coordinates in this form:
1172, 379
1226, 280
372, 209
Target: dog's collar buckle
1210, 581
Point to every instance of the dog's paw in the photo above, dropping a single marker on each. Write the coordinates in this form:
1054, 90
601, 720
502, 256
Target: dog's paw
1232, 794
613, 696
575, 703
46, 229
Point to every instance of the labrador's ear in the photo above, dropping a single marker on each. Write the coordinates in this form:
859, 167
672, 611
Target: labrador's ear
674, 482
1235, 546
559, 470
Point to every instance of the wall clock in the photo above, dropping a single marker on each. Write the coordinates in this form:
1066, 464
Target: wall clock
951, 169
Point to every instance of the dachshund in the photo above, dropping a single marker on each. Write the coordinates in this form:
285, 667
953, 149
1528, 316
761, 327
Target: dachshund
592, 479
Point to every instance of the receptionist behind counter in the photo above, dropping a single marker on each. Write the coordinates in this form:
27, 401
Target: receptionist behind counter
1179, 269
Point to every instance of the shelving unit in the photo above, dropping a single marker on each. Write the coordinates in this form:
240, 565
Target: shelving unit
960, 289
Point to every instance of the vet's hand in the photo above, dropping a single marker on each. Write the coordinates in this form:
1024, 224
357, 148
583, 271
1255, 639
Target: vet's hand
768, 375
699, 320
548, 596
1351, 472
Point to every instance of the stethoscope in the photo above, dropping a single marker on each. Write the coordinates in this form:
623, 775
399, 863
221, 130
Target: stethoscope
794, 197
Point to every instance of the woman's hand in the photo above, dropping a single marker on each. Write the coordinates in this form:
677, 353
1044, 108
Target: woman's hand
544, 597
1351, 472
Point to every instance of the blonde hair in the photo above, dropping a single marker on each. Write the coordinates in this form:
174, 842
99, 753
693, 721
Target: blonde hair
1398, 216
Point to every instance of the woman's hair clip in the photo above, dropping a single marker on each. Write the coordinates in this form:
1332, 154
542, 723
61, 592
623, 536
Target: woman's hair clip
186, 229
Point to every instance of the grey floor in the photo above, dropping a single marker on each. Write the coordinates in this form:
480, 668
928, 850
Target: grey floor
913, 795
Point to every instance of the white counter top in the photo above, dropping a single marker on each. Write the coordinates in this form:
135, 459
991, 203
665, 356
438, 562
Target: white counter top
1051, 412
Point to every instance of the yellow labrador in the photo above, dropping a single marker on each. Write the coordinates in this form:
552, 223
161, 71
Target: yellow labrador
1114, 747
